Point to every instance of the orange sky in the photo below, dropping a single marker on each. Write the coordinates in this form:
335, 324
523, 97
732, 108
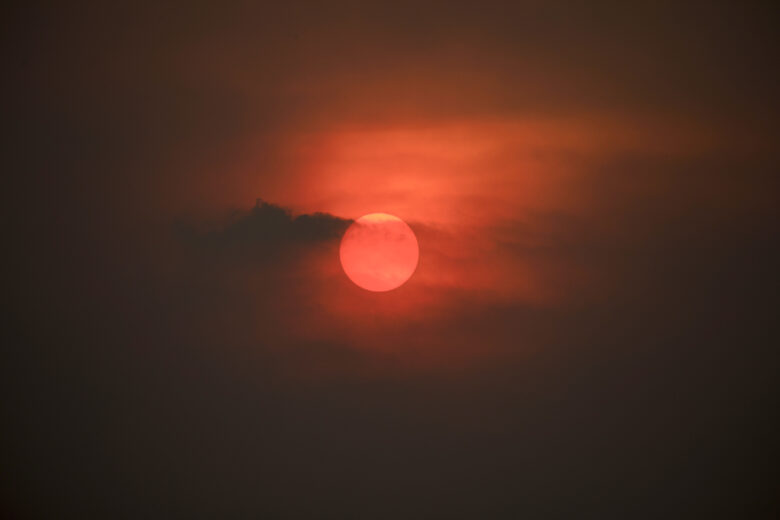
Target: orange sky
591, 330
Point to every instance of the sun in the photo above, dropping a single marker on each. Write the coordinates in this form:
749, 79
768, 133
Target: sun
379, 252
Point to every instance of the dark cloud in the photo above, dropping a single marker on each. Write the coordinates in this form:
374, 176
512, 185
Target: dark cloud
267, 230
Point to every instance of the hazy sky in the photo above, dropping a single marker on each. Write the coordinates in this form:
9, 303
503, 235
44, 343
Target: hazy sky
592, 327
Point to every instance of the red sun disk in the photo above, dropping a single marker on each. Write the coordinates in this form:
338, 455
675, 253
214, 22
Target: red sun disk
379, 252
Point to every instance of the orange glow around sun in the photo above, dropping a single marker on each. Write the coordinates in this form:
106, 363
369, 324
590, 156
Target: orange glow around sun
379, 252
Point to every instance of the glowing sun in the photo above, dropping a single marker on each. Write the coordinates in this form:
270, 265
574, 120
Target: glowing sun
379, 252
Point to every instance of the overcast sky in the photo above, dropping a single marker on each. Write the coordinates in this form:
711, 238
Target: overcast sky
592, 327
